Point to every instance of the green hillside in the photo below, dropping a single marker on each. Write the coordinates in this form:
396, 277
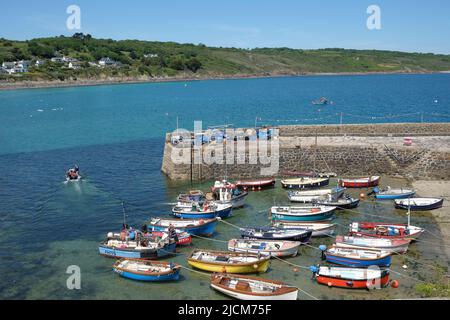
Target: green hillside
160, 59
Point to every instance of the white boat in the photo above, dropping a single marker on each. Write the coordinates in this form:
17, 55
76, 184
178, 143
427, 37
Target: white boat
225, 192
274, 248
390, 245
419, 204
252, 288
302, 213
318, 229
313, 195
305, 183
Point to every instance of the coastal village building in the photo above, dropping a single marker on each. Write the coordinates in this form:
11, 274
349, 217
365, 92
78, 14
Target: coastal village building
151, 55
74, 65
15, 67
107, 62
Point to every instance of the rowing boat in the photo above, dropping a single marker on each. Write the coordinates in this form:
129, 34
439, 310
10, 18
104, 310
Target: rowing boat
229, 262
272, 233
302, 213
419, 204
274, 248
360, 182
207, 211
393, 193
311, 195
357, 257
255, 184
318, 229
252, 288
198, 227
384, 230
145, 270
389, 245
305, 183
351, 278
346, 202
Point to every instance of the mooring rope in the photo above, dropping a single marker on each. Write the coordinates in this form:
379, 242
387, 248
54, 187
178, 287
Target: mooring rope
196, 271
233, 225
290, 263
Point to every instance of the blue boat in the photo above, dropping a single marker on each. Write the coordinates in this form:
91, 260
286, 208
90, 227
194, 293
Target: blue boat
208, 211
390, 193
145, 270
148, 247
357, 257
198, 227
302, 213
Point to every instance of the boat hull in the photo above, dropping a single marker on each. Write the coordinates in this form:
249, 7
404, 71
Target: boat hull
256, 267
137, 254
206, 229
303, 237
242, 296
360, 183
149, 278
305, 185
187, 215
350, 283
313, 217
317, 230
256, 184
352, 262
412, 207
394, 196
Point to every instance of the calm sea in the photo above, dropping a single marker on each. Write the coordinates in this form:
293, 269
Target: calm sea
115, 134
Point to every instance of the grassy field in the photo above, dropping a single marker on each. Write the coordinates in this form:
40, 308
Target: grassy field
189, 60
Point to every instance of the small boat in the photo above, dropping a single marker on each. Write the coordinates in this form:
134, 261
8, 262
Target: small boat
351, 278
346, 202
73, 175
183, 238
228, 262
295, 173
273, 233
252, 288
224, 192
193, 196
311, 195
318, 229
274, 248
419, 204
384, 230
303, 213
209, 210
255, 184
145, 270
393, 193
322, 101
132, 246
357, 257
305, 183
389, 245
360, 182
198, 227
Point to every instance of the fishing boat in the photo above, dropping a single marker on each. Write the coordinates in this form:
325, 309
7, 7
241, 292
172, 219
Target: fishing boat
255, 184
228, 262
209, 210
252, 288
224, 192
303, 213
273, 233
193, 196
360, 182
357, 257
384, 230
274, 248
393, 193
350, 277
318, 229
145, 270
182, 238
73, 174
419, 204
305, 183
198, 227
311, 195
322, 101
389, 245
136, 247
347, 202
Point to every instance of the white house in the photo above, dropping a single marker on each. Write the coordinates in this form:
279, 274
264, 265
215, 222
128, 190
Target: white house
57, 59
74, 65
104, 62
151, 55
39, 63
15, 67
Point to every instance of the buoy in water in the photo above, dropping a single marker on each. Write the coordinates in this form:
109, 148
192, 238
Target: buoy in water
394, 283
362, 195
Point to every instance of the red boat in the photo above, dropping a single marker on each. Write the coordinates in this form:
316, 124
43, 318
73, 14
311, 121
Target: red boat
184, 238
351, 278
255, 184
360, 182
384, 230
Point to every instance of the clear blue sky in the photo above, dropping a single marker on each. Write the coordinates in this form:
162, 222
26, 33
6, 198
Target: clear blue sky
422, 26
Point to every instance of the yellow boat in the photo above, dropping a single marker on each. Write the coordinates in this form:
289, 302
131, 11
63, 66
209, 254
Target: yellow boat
229, 262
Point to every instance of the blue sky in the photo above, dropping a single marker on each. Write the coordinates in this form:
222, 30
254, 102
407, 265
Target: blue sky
415, 26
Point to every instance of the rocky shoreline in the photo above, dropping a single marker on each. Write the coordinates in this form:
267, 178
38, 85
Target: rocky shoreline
9, 85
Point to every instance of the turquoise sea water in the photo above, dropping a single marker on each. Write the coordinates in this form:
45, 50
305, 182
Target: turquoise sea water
116, 133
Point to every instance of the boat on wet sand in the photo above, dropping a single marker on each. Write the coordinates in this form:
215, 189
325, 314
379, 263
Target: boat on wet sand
393, 193
312, 195
228, 262
419, 204
252, 288
274, 248
305, 183
350, 277
389, 245
198, 227
318, 229
256, 184
145, 270
384, 230
357, 257
272, 233
360, 182
346, 202
302, 213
